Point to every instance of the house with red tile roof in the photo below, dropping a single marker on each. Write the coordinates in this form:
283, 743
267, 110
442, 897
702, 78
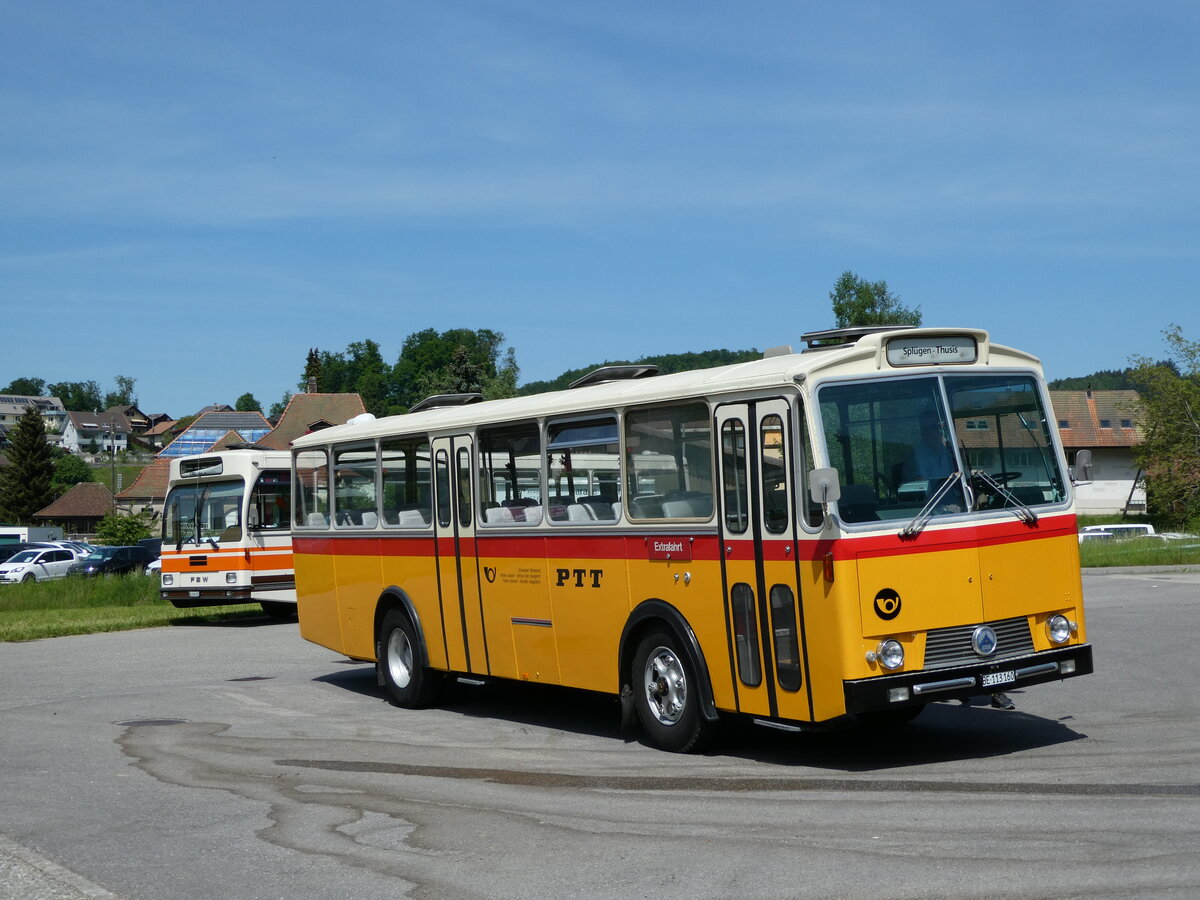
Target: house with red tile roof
80, 509
1106, 423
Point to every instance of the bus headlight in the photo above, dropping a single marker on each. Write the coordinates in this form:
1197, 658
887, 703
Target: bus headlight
890, 654
168, 579
231, 577
1059, 628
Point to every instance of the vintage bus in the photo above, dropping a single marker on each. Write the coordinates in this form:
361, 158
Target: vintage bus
878, 522
227, 531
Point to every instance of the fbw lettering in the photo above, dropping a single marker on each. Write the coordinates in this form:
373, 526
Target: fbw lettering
578, 576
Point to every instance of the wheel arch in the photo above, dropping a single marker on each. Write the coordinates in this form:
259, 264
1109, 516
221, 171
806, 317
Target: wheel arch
655, 613
393, 598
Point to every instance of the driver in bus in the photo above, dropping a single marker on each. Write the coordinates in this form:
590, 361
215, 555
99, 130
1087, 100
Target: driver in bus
930, 458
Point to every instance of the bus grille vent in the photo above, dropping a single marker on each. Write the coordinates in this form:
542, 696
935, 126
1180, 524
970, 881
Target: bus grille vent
952, 646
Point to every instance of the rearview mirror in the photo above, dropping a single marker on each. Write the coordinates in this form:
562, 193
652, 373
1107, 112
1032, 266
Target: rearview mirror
1082, 472
824, 486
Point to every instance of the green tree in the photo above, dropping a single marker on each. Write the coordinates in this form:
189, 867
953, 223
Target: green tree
278, 408
1169, 452
25, 387
860, 302
431, 359
77, 396
123, 395
247, 403
311, 380
117, 529
25, 483
70, 470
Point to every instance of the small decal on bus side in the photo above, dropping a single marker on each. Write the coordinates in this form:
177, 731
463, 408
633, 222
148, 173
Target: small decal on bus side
887, 604
672, 548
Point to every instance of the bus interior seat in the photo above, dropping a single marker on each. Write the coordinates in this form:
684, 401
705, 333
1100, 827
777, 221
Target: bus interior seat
859, 503
411, 518
317, 520
499, 515
647, 506
578, 512
601, 508
533, 515
370, 519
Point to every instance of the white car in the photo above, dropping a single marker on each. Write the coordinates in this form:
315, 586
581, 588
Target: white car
39, 564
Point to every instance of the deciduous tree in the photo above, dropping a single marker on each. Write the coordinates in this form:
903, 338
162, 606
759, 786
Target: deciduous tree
1170, 418
860, 302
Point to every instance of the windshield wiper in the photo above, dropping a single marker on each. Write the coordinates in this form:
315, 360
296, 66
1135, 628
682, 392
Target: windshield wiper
926, 513
1022, 512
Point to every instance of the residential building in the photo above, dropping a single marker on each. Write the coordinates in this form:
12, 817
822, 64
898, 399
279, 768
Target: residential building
1104, 422
86, 432
13, 406
80, 509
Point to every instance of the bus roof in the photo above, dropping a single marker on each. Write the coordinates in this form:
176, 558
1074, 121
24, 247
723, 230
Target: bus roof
864, 356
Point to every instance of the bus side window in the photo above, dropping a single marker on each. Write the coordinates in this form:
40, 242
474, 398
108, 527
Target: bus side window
406, 497
311, 507
510, 474
669, 462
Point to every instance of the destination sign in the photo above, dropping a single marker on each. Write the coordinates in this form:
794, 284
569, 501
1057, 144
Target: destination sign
931, 350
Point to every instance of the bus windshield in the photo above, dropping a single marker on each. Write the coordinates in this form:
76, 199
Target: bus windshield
949, 443
203, 513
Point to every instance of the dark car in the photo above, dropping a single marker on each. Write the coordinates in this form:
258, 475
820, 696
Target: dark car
113, 561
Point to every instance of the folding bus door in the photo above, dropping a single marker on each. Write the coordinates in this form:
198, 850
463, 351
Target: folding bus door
761, 572
457, 566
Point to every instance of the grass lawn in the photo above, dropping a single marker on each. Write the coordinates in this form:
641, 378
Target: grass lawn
88, 605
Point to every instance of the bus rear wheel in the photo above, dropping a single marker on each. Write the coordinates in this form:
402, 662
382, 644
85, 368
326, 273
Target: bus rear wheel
409, 684
666, 695
277, 610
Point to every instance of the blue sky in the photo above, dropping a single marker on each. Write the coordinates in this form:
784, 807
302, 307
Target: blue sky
194, 194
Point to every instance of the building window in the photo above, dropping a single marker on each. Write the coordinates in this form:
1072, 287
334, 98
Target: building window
1126, 423
1063, 423
1106, 423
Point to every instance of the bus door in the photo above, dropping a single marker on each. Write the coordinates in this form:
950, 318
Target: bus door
761, 570
458, 573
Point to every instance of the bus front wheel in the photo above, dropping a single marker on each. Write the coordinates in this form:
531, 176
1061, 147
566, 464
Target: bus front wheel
667, 696
409, 684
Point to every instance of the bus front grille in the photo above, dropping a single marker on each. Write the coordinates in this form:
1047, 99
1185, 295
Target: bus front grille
947, 647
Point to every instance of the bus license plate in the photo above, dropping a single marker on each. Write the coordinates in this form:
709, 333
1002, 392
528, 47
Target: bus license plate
991, 679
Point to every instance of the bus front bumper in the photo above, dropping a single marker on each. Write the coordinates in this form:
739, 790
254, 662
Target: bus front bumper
182, 598
958, 682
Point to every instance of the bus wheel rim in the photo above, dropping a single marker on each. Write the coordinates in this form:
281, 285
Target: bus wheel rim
399, 658
666, 686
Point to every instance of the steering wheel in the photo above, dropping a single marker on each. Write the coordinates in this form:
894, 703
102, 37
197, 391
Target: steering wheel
1004, 477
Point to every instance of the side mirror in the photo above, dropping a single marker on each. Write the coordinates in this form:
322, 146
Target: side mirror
824, 486
1082, 472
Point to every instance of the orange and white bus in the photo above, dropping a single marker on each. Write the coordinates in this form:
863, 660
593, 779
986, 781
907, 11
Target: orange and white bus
226, 531
879, 522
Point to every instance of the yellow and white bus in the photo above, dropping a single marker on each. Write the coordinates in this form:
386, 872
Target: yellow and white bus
227, 531
881, 521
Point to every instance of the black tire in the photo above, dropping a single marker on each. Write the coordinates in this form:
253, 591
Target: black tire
888, 719
410, 684
29, 576
666, 693
279, 611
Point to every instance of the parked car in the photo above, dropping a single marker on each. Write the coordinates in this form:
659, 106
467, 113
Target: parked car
113, 561
1115, 531
8, 551
37, 564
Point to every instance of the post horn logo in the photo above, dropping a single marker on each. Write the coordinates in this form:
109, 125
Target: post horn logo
887, 604
489, 572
